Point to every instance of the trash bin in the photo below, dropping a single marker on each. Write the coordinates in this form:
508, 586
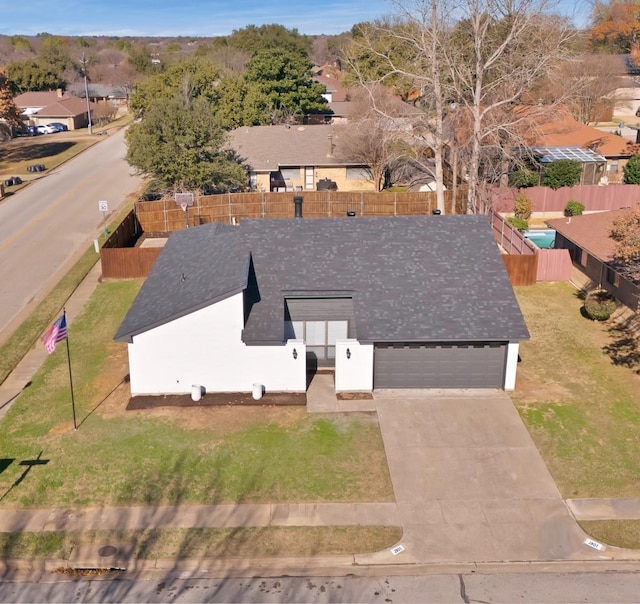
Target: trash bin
196, 392
258, 389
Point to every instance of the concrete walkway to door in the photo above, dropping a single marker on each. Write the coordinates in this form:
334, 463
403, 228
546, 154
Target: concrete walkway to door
470, 485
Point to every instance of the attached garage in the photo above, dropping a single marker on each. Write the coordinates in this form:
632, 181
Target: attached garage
439, 365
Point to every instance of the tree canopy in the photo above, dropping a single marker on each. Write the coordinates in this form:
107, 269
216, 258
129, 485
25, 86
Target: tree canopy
631, 171
284, 79
616, 26
253, 39
562, 173
180, 143
625, 230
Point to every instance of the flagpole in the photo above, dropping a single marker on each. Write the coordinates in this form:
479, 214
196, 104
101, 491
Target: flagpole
73, 402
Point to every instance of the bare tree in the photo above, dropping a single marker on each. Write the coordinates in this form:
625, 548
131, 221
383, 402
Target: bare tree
405, 54
377, 138
500, 51
588, 82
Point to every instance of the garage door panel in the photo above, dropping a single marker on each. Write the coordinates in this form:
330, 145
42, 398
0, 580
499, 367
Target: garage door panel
440, 366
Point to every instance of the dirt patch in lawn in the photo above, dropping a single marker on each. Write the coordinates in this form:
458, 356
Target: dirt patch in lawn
354, 396
218, 399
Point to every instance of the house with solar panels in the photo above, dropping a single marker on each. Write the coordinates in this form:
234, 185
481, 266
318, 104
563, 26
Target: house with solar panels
594, 165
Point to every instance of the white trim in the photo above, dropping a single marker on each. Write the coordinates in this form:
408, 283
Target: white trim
511, 366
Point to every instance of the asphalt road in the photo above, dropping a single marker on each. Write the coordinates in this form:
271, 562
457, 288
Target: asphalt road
539, 587
47, 225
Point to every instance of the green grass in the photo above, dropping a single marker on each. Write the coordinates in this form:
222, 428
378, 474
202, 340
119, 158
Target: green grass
118, 457
198, 543
582, 410
578, 392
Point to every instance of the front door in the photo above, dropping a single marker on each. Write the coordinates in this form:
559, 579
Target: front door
320, 338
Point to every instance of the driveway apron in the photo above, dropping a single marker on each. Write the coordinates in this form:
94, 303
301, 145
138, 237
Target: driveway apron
469, 482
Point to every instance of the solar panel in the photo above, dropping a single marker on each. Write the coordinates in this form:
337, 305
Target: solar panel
551, 154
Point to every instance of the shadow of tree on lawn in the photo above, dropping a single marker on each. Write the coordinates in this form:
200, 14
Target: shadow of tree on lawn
624, 348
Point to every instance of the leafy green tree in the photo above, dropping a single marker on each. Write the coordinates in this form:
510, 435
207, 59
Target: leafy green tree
240, 104
180, 143
562, 173
194, 78
573, 208
523, 178
252, 39
631, 171
31, 75
139, 57
284, 78
54, 54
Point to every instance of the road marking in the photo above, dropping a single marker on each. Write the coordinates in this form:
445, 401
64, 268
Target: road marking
40, 217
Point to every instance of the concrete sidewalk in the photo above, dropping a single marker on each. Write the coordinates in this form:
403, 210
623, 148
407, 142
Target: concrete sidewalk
200, 516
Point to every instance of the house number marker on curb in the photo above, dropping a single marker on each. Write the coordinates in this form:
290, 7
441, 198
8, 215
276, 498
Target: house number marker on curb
397, 549
594, 544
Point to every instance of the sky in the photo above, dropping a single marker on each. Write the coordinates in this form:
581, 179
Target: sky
193, 17
182, 17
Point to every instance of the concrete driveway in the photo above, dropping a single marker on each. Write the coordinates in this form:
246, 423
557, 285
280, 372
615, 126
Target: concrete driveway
469, 483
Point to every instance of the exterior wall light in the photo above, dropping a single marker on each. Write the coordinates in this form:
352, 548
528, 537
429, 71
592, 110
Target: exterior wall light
348, 353
295, 354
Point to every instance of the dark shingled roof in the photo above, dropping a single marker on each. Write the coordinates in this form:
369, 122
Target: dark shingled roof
414, 278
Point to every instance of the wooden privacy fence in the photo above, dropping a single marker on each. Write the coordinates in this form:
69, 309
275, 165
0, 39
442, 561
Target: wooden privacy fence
525, 262
594, 197
165, 216
120, 259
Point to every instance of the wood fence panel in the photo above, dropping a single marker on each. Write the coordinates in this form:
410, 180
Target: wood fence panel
546, 200
522, 269
554, 265
128, 263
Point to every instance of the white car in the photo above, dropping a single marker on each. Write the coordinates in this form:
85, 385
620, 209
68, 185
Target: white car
46, 129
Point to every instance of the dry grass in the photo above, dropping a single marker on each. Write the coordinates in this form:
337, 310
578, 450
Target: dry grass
578, 392
295, 541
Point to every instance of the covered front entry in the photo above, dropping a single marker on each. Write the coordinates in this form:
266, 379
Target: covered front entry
437, 365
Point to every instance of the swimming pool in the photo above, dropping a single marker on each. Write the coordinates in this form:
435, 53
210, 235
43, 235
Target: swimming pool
543, 238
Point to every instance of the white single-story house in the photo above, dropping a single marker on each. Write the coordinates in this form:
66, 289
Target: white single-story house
397, 302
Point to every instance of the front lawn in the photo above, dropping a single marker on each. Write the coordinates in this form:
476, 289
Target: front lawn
578, 392
170, 455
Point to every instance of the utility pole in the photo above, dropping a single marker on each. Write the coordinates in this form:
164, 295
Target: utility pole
86, 91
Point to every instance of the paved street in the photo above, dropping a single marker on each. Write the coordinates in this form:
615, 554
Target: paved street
45, 226
463, 587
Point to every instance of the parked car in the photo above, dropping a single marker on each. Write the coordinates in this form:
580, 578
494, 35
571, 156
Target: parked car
58, 126
47, 129
33, 130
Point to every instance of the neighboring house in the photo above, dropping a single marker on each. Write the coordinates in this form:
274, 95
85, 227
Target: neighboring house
602, 154
296, 158
591, 249
53, 106
388, 302
116, 95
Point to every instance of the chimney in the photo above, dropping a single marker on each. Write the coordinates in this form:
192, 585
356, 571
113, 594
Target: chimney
297, 202
331, 145
59, 93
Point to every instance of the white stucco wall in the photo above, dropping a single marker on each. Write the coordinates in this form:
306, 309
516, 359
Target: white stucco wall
205, 348
512, 366
354, 374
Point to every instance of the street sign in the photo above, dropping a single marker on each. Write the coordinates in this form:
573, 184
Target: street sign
103, 206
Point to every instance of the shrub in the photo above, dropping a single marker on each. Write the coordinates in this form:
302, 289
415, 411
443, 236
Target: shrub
562, 173
523, 178
632, 171
573, 208
520, 224
522, 207
599, 305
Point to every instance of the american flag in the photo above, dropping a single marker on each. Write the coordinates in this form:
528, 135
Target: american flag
56, 333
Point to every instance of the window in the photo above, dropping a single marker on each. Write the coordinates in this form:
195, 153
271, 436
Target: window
359, 173
612, 277
309, 178
613, 166
319, 336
